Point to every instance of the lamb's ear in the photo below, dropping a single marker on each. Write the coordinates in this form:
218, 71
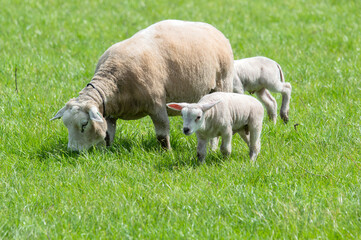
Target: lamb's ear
207, 106
59, 114
95, 114
177, 106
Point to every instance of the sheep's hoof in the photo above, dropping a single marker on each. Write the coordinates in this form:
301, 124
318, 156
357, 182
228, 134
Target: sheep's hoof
164, 142
201, 158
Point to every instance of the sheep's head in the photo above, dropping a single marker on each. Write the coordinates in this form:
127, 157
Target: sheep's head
192, 114
86, 126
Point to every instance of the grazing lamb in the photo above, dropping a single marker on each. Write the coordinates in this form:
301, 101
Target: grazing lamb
260, 74
223, 114
171, 60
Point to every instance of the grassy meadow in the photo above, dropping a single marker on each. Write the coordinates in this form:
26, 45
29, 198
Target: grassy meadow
305, 183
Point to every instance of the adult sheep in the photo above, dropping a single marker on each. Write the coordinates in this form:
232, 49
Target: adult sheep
170, 61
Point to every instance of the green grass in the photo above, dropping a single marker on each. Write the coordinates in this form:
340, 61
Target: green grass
305, 183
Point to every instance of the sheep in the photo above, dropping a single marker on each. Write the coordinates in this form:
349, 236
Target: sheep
223, 114
171, 60
260, 74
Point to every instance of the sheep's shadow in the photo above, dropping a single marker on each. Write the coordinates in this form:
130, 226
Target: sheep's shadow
148, 144
176, 163
56, 151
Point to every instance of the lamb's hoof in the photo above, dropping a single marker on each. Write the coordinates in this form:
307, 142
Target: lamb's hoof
226, 154
284, 118
273, 119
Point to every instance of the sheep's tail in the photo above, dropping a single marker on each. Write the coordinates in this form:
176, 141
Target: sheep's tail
281, 73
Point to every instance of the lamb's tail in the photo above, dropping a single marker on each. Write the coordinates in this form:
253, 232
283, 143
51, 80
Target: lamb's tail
281, 73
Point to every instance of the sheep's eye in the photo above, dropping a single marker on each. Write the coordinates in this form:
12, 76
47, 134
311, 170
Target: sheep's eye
197, 119
83, 126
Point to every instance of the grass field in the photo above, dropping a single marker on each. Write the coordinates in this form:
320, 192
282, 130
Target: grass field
304, 185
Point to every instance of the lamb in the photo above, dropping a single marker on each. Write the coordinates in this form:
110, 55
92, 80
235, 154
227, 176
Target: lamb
223, 114
260, 74
171, 60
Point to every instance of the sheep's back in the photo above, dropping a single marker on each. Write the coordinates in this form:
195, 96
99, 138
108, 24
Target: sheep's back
170, 61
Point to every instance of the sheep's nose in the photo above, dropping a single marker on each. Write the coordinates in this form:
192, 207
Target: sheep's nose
73, 149
186, 130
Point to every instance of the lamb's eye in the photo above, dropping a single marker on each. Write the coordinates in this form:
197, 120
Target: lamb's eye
83, 126
197, 119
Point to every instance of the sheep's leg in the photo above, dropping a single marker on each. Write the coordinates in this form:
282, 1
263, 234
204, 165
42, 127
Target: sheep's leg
255, 139
161, 125
201, 148
285, 89
269, 102
226, 146
112, 124
214, 143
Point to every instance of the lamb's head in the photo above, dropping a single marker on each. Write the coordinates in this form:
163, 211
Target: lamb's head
86, 126
192, 114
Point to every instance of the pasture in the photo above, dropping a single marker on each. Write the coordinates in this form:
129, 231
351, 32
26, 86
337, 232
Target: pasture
305, 183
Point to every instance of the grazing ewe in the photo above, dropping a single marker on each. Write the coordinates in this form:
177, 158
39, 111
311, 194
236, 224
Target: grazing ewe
257, 74
223, 114
171, 60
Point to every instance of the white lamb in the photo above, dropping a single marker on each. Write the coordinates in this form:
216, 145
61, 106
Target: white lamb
223, 114
260, 74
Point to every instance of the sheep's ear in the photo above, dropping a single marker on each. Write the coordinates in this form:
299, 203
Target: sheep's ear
59, 114
207, 106
177, 106
95, 114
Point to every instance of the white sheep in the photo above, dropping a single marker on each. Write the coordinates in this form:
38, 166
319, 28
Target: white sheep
168, 61
223, 114
260, 74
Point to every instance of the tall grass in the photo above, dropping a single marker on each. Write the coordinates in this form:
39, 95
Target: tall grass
305, 183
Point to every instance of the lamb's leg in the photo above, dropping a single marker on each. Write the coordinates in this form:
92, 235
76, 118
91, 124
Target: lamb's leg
255, 129
286, 97
226, 146
285, 89
269, 102
244, 135
201, 148
161, 125
213, 142
112, 124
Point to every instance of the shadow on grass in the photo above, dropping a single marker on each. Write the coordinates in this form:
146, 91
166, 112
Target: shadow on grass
148, 143
175, 163
182, 155
128, 144
56, 151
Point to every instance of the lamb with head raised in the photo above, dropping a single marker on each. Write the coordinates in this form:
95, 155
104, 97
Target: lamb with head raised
260, 74
222, 115
169, 61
